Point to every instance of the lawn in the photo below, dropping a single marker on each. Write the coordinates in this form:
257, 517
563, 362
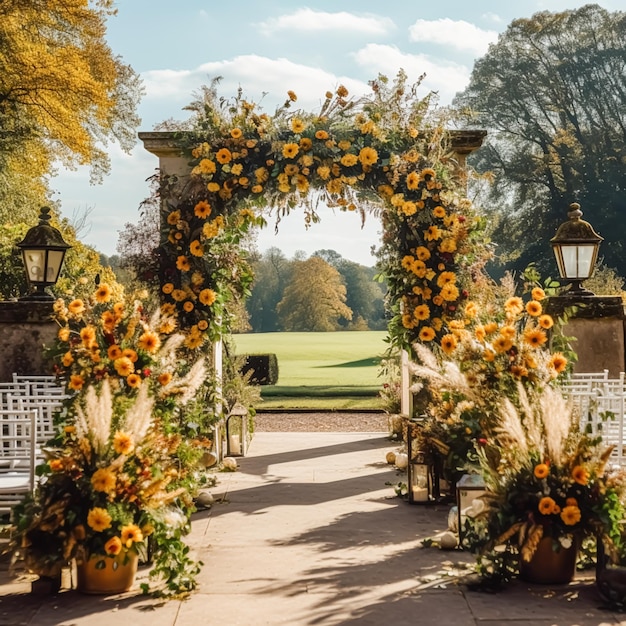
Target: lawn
320, 370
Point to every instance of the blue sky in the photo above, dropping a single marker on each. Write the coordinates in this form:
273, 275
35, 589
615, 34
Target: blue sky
270, 47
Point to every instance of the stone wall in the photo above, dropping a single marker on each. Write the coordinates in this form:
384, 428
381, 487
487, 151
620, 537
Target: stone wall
25, 329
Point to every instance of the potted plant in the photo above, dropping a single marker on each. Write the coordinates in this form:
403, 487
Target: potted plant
550, 487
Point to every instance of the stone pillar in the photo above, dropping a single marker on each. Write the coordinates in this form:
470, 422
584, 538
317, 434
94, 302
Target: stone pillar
25, 329
597, 331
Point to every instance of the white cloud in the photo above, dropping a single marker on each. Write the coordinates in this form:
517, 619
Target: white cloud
446, 78
492, 17
257, 75
458, 34
307, 20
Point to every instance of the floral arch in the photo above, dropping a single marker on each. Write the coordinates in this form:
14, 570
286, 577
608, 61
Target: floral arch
386, 153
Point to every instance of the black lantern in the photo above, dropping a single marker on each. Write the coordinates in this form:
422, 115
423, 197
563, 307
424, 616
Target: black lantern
469, 487
419, 469
43, 251
575, 247
237, 431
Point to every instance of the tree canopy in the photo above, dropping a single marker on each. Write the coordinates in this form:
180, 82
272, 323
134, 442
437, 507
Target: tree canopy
552, 93
314, 300
63, 94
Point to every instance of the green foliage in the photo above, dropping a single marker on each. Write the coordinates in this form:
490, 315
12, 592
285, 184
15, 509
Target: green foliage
551, 94
262, 368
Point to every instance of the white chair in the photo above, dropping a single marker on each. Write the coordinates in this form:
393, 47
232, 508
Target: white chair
17, 457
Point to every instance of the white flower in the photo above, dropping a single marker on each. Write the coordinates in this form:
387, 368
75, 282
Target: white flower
566, 542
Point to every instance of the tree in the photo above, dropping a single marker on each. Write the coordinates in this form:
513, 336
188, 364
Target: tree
552, 93
314, 300
363, 296
63, 94
271, 274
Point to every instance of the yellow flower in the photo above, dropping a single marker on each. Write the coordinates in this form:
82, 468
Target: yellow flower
541, 470
508, 331
546, 505
131, 534
448, 245
202, 209
535, 337
297, 125
167, 288
322, 135
432, 233
123, 443
203, 324
173, 218
537, 293
133, 380
131, 354
236, 133
502, 344
412, 180
98, 519
76, 382
446, 277
428, 171
348, 160
188, 306
64, 333
179, 295
580, 475
67, 359
449, 292
368, 156
164, 378
421, 312
76, 307
195, 247
224, 156
545, 321
114, 352
113, 546
422, 253
427, 334
56, 465
306, 144
207, 297
103, 293
571, 515
439, 211
103, 480
193, 341
290, 150
149, 341
514, 305
206, 166
88, 336
448, 343
533, 308
123, 366
408, 208
558, 362
182, 263
292, 95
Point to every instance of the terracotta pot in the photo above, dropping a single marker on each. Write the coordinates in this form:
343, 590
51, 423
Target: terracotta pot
107, 574
550, 567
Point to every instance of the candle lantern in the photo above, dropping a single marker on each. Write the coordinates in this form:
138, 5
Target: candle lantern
419, 470
469, 488
237, 431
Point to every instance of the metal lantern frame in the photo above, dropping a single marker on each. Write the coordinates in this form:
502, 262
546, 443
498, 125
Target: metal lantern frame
469, 487
575, 248
420, 471
237, 431
43, 252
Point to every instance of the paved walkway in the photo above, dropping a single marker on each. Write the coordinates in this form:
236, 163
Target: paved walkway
306, 533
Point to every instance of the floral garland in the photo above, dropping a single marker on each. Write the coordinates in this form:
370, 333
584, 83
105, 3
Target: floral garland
383, 151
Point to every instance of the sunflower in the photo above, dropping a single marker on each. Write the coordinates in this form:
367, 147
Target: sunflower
535, 337
449, 292
102, 293
421, 312
88, 336
448, 343
558, 362
202, 209
103, 480
537, 293
545, 321
196, 249
98, 519
439, 211
571, 515
432, 233
114, 352
422, 253
426, 334
133, 381
76, 307
546, 505
580, 475
534, 308
182, 263
297, 125
290, 150
173, 218
514, 305
502, 344
123, 443
446, 277
123, 366
130, 534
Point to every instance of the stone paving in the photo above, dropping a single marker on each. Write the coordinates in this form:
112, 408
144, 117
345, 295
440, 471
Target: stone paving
307, 533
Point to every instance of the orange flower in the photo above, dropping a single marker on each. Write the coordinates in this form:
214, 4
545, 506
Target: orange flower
545, 321
448, 343
546, 506
149, 342
123, 366
103, 293
131, 354
113, 546
98, 519
123, 443
76, 382
76, 307
114, 352
541, 470
202, 209
236, 133
133, 380
224, 156
182, 263
321, 134
558, 362
207, 297
537, 293
534, 308
580, 475
571, 515
535, 337
164, 378
290, 150
427, 334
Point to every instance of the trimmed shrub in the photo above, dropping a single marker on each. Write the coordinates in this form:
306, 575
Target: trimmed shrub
263, 368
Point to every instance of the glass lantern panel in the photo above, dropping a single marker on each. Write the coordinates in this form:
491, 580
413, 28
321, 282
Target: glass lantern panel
578, 260
34, 261
55, 259
419, 482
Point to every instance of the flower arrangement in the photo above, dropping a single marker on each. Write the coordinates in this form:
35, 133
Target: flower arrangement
499, 346
545, 479
386, 150
112, 479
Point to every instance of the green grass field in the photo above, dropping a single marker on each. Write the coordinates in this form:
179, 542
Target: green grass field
320, 370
